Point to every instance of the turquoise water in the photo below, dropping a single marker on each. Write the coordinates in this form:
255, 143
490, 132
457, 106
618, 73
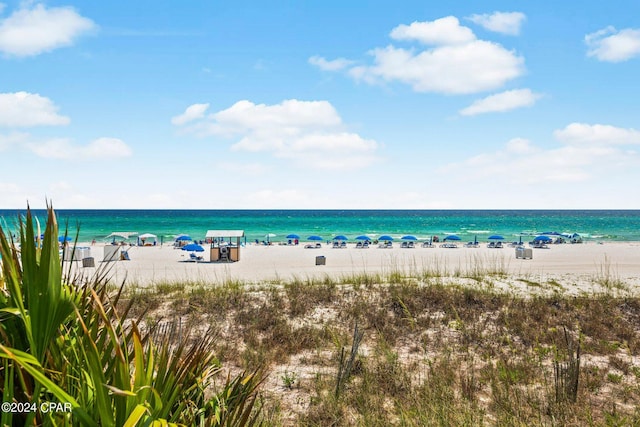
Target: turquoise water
613, 225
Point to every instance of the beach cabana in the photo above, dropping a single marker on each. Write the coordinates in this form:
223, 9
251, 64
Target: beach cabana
148, 239
124, 235
221, 250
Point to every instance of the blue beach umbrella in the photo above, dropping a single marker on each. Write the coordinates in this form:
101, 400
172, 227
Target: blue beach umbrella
293, 236
414, 238
495, 237
64, 239
192, 247
542, 239
183, 238
341, 237
386, 237
452, 237
315, 238
363, 237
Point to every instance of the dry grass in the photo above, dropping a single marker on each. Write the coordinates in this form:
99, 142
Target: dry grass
432, 353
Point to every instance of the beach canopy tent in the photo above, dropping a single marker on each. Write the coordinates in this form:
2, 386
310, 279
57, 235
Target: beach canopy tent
220, 249
126, 235
147, 236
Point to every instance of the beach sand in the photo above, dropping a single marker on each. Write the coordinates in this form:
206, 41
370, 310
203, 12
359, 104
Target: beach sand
575, 266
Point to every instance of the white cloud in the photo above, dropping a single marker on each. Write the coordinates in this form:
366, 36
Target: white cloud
583, 133
443, 31
193, 112
32, 30
309, 132
584, 156
13, 139
520, 146
457, 63
501, 102
329, 65
23, 109
459, 69
500, 22
611, 45
101, 148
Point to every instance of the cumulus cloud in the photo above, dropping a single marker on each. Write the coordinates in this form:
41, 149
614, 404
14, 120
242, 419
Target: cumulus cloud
34, 29
585, 151
12, 139
329, 65
443, 31
62, 148
583, 133
501, 102
309, 132
500, 22
23, 109
454, 61
193, 112
611, 45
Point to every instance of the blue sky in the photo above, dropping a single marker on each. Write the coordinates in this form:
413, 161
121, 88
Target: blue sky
282, 104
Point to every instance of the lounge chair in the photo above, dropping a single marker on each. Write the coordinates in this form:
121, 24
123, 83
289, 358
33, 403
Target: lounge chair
343, 244
499, 245
365, 244
491, 245
336, 244
411, 245
428, 245
195, 258
359, 245
404, 245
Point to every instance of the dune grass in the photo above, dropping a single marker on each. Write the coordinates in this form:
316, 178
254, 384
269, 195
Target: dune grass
432, 352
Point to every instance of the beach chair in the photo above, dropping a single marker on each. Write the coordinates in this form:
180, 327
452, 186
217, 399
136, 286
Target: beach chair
411, 245
336, 244
491, 245
365, 244
428, 245
404, 245
359, 245
343, 244
499, 245
195, 258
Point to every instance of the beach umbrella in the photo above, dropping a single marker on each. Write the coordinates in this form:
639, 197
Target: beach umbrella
452, 237
542, 239
192, 247
386, 237
414, 238
183, 238
363, 237
269, 236
315, 238
293, 236
64, 239
340, 237
495, 237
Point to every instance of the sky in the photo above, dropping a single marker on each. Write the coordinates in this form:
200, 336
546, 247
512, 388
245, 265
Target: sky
320, 105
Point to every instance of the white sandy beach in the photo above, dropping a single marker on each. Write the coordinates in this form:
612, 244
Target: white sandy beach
574, 266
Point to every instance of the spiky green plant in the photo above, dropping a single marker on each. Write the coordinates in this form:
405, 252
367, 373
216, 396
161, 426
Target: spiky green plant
62, 340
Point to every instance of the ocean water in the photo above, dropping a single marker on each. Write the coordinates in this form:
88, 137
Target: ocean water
601, 225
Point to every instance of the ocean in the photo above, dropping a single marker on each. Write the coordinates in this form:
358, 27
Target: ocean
600, 225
